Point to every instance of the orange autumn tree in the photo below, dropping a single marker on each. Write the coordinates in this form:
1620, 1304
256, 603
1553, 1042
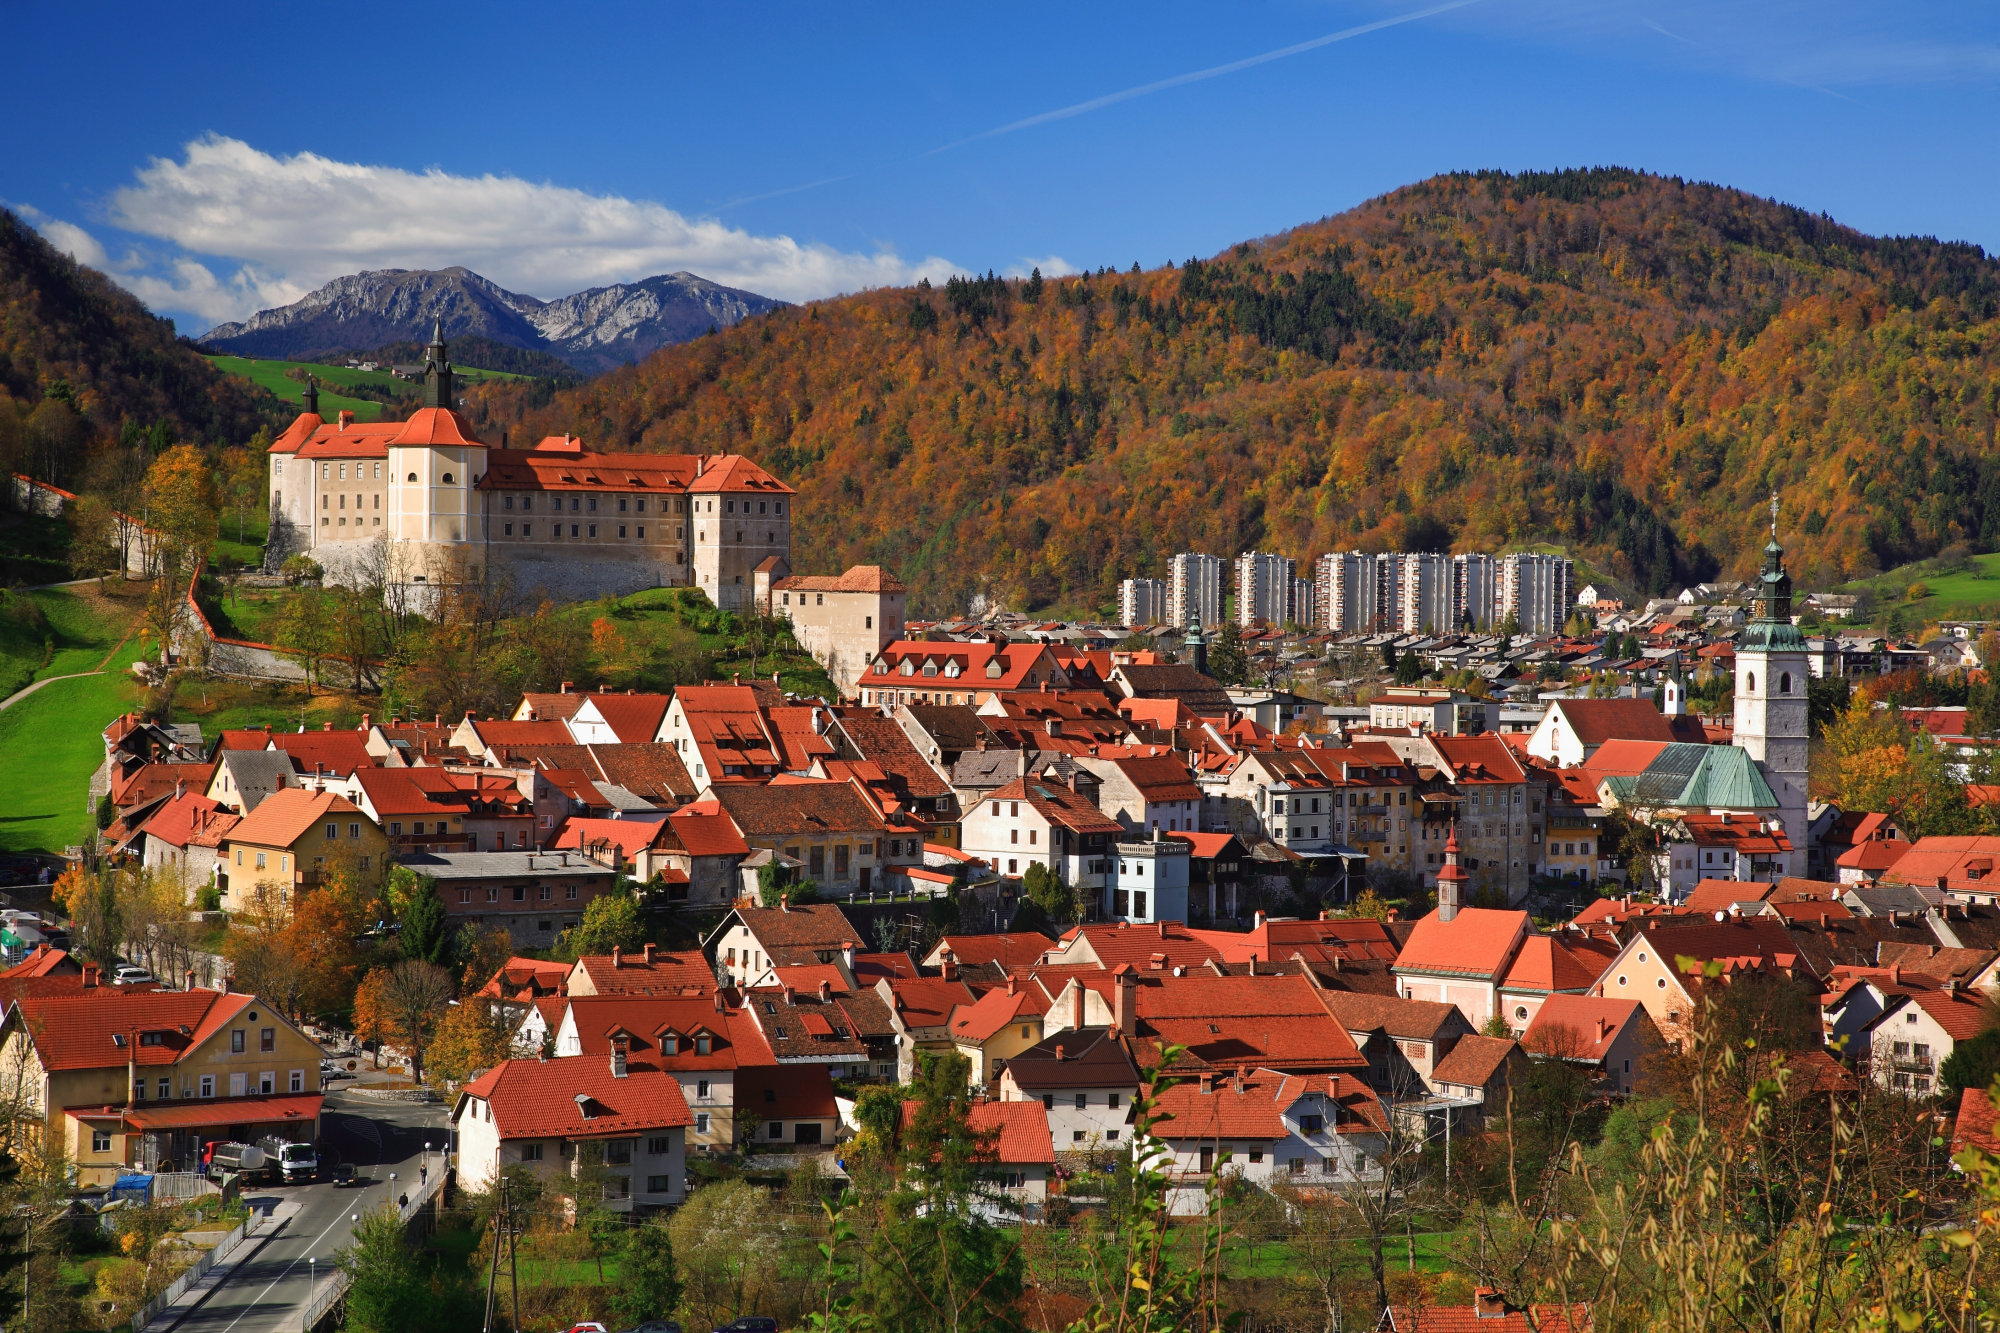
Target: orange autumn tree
371, 1011
1870, 760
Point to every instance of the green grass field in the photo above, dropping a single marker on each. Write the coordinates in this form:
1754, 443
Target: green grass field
270, 375
55, 735
274, 376
244, 540
248, 613
1968, 591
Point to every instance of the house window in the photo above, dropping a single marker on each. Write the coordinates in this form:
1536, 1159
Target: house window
236, 1041
100, 1140
208, 1085
267, 1039
702, 1046
777, 1130
618, 1152
166, 1088
1082, 1100
298, 1080
659, 1184
531, 1152
1312, 1124
701, 1122
267, 1083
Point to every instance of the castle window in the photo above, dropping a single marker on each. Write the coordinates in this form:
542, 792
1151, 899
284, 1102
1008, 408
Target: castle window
510, 529
378, 472
572, 530
1785, 683
447, 479
781, 506
527, 502
555, 529
325, 522
326, 472
641, 504
507, 503
819, 598
760, 506
325, 503
574, 504
621, 504
343, 472
729, 507
413, 476
593, 529
787, 599
1750, 682
527, 530
343, 502
377, 504
592, 506
642, 532
621, 529
868, 622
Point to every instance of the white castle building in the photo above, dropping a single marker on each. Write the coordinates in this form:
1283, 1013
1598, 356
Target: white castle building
425, 500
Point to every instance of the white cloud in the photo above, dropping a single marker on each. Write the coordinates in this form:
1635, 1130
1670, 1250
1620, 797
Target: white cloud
74, 241
293, 223
1052, 266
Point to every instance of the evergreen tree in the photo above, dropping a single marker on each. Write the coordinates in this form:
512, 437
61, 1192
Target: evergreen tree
1408, 669
107, 813
649, 1285
386, 1292
1227, 662
611, 919
1045, 889
426, 932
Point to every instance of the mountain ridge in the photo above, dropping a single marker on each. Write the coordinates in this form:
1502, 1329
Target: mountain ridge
593, 330
1622, 363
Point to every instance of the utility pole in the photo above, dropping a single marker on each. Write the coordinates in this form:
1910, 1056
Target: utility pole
493, 1269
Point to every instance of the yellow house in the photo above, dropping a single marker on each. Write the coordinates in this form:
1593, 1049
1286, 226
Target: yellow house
1006, 1021
123, 1079
285, 843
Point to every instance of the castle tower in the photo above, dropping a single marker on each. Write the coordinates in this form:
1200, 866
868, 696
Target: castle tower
1771, 676
310, 399
1452, 879
438, 391
1674, 693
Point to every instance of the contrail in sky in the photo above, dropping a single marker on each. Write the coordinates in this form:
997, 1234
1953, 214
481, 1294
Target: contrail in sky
1197, 76
1142, 90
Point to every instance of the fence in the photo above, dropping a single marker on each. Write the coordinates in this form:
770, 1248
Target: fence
175, 1289
181, 1185
417, 1217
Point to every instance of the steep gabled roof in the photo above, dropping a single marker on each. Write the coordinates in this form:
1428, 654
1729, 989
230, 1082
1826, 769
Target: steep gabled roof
1473, 1060
575, 1098
1580, 1027
1546, 964
1478, 942
283, 817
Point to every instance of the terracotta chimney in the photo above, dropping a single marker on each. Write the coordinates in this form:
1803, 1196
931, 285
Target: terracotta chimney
1163, 930
620, 1054
89, 976
1895, 974
847, 956
1121, 1003
1060, 1055
825, 991
649, 953
719, 1004
1076, 1005
617, 956
1489, 1304
784, 902
1603, 1028
948, 967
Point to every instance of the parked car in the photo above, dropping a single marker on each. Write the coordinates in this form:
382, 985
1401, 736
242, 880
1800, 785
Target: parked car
130, 974
752, 1323
656, 1326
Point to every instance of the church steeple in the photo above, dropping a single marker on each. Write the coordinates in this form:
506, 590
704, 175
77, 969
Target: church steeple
1770, 628
310, 399
1197, 645
1452, 879
437, 371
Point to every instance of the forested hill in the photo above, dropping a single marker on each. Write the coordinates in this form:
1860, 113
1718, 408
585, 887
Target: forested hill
81, 360
1616, 362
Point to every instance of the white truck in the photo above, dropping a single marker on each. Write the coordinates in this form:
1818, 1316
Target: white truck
295, 1163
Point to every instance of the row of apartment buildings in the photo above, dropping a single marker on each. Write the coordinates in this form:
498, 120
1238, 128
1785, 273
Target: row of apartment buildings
1359, 592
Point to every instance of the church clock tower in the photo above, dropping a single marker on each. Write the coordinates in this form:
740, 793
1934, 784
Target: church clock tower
1771, 676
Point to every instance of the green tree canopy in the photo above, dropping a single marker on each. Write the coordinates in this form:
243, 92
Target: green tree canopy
611, 919
426, 926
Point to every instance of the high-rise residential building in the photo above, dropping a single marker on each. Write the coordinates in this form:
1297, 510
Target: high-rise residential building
1303, 610
1142, 601
1264, 588
1347, 592
1535, 591
1194, 589
1424, 601
1474, 590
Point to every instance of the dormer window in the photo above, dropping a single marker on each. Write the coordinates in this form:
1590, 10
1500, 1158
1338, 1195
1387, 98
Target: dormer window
951, 669
993, 669
704, 1044
930, 668
909, 667
670, 1044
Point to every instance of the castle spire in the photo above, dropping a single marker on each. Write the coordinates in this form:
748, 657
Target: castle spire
310, 399
437, 371
1451, 878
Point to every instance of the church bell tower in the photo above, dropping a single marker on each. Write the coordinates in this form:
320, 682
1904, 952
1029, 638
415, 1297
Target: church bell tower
438, 390
1771, 711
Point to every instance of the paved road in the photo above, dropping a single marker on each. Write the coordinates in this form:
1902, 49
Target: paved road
268, 1293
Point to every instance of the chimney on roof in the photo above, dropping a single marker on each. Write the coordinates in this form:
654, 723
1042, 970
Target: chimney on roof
1257, 920
131, 1068
735, 678
825, 991
1060, 1054
649, 953
180, 788
1076, 1004
1391, 915
1951, 985
190, 980
1253, 964
1895, 974
1207, 1081
948, 967
617, 956
89, 976
1603, 1027
784, 902
1489, 1304
620, 1054
346, 419
222, 986
719, 1003
1121, 1004
1163, 930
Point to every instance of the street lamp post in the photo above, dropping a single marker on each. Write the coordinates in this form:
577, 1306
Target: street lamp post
312, 1290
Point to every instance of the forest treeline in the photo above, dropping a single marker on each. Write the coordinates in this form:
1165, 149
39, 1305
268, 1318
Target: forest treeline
83, 365
1621, 363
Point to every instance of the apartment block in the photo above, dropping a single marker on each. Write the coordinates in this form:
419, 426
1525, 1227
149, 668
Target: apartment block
1346, 592
1536, 591
1194, 589
1264, 588
1142, 601
1475, 582
1424, 602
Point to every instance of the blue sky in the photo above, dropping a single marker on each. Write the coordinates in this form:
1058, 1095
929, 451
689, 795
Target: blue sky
218, 158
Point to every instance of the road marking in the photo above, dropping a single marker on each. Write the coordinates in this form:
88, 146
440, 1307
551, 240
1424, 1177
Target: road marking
259, 1301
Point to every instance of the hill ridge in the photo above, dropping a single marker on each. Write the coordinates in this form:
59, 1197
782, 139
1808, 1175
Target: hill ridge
1614, 361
